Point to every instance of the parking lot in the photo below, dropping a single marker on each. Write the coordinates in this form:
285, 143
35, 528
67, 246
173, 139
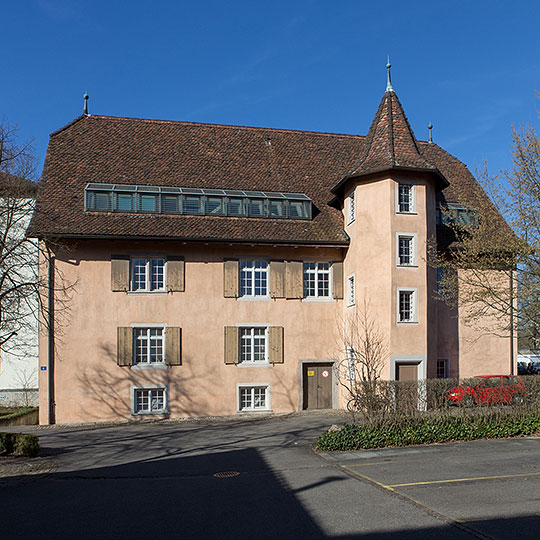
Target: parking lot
488, 487
239, 479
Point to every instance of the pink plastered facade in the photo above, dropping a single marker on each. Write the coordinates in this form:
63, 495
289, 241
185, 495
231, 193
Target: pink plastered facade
158, 316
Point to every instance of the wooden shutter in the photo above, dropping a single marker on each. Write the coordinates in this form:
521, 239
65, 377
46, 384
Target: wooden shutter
294, 279
277, 279
173, 346
275, 338
231, 345
119, 273
175, 274
337, 277
124, 346
230, 279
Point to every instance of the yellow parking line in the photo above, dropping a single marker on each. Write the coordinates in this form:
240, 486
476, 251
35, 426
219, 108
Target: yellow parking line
367, 464
455, 480
358, 475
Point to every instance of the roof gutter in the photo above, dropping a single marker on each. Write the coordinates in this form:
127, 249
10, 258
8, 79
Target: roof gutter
190, 240
337, 189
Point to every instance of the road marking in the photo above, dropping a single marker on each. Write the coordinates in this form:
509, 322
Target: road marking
430, 511
357, 474
455, 480
366, 464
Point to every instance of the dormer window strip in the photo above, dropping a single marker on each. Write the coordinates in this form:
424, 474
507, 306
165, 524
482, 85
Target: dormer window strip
456, 214
196, 201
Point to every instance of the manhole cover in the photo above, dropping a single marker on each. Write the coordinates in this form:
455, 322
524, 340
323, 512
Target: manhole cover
225, 474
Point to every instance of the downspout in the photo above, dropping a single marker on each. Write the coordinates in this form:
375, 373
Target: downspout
50, 317
512, 321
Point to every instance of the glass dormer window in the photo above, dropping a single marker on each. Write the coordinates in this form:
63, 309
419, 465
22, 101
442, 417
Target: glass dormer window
196, 201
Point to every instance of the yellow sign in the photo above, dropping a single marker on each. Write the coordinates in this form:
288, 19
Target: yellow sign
310, 373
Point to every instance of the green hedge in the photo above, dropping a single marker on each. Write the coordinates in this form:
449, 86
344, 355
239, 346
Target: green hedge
10, 414
414, 430
19, 444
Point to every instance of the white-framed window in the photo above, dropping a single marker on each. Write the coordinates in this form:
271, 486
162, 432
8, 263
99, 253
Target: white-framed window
406, 249
441, 274
253, 278
148, 274
149, 400
148, 345
350, 291
442, 368
316, 280
351, 211
405, 199
253, 397
253, 345
406, 307
351, 363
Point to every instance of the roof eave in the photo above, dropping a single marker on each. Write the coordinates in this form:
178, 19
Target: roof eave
443, 182
187, 239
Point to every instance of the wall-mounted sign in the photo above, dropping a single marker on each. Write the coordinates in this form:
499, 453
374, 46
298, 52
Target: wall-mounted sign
325, 373
43, 368
310, 373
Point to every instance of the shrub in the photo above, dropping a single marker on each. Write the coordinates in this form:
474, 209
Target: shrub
7, 441
404, 431
20, 444
26, 445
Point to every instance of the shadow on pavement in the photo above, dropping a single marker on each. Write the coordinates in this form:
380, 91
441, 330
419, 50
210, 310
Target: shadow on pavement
179, 497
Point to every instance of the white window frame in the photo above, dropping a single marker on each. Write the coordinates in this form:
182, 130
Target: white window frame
157, 412
414, 305
253, 386
446, 373
351, 208
317, 272
149, 365
351, 290
440, 279
148, 274
253, 270
253, 363
413, 248
412, 206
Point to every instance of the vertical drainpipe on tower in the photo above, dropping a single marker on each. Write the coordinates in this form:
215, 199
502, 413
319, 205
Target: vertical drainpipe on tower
50, 316
512, 321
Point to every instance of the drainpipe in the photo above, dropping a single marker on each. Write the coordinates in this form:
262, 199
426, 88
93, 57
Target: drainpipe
50, 317
512, 321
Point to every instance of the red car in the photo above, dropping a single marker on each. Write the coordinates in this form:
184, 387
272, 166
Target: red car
489, 389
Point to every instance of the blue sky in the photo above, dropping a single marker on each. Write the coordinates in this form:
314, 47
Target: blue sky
471, 68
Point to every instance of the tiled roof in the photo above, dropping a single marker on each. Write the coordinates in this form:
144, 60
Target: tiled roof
390, 143
151, 152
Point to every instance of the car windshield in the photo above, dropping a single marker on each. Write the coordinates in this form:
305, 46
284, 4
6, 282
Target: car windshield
492, 381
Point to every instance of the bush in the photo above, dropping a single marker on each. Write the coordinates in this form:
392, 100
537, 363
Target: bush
404, 431
20, 444
26, 445
7, 441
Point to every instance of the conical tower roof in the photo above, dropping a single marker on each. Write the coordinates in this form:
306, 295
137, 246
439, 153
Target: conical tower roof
390, 144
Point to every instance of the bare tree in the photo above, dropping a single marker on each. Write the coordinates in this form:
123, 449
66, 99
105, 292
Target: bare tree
19, 280
364, 351
492, 272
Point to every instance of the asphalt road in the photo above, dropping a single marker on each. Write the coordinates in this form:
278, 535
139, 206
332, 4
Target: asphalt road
260, 479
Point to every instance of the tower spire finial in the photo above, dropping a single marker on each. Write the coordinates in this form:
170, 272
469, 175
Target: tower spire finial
85, 108
430, 127
389, 87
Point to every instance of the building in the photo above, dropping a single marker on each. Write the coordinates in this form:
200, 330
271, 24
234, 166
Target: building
214, 266
19, 302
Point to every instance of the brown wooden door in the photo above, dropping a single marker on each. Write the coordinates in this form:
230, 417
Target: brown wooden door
407, 391
317, 386
406, 372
